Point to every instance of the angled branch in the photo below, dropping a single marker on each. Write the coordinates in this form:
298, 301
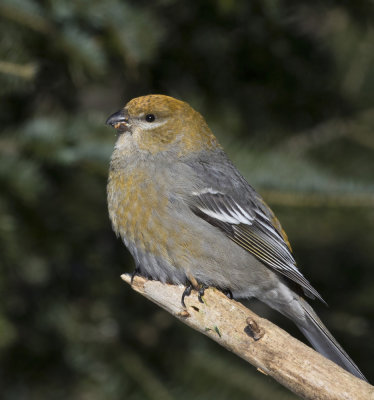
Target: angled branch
270, 349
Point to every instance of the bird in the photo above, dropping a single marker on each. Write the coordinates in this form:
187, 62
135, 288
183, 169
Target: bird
188, 216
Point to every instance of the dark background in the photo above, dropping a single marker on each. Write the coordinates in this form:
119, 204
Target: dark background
288, 88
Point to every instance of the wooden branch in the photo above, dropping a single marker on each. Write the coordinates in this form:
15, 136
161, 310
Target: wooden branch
270, 349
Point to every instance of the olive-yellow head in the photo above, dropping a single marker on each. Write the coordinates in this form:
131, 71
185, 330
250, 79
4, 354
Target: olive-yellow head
159, 123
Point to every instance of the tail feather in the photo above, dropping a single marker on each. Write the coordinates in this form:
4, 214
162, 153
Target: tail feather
322, 340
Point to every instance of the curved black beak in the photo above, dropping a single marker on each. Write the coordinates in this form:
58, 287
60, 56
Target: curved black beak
117, 119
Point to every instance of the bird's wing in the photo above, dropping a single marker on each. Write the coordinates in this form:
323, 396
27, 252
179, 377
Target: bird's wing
244, 217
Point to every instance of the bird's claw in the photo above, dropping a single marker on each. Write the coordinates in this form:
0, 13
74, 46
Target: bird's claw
228, 293
135, 272
201, 292
186, 292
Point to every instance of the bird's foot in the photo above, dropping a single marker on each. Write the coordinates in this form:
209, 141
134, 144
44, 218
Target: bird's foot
135, 272
201, 292
186, 292
228, 293
193, 284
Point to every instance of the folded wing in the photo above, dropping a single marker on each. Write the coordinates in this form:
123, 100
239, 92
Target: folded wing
250, 225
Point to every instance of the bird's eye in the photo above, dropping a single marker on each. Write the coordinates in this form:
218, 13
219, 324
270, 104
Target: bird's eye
150, 117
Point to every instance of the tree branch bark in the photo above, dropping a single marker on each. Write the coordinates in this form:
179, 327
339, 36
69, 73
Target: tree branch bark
270, 349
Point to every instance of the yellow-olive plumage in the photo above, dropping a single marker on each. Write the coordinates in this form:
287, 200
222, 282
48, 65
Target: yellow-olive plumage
188, 216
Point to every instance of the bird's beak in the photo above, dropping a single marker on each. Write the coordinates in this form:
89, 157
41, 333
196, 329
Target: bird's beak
119, 121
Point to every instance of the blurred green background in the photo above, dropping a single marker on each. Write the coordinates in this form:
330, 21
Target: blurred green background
288, 87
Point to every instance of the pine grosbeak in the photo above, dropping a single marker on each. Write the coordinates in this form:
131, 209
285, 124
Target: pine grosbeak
188, 216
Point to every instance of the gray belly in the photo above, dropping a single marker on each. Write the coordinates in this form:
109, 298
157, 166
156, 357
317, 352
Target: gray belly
204, 252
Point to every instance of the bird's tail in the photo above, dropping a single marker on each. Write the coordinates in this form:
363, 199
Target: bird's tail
322, 340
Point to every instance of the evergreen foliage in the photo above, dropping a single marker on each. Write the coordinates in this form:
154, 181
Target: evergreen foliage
288, 87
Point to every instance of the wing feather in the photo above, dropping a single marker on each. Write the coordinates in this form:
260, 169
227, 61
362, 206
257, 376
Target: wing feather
250, 225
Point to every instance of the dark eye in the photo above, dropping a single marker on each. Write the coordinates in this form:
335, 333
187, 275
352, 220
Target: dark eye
150, 117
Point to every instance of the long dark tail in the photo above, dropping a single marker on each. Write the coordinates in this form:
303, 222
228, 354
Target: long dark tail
322, 340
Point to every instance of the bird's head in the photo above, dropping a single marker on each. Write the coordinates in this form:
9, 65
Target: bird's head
158, 123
